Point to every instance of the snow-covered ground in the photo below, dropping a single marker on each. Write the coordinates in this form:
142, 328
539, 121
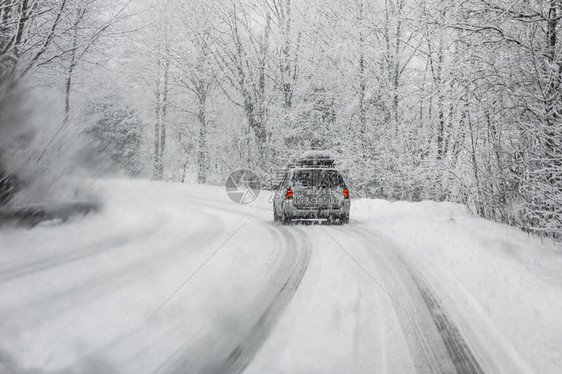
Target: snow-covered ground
172, 278
503, 287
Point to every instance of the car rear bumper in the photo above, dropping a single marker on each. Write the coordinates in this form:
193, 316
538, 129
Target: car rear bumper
293, 212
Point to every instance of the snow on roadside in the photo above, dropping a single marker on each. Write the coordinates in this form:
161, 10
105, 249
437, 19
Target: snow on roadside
79, 296
503, 287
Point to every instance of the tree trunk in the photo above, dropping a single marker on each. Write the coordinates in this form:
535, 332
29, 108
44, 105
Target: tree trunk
72, 64
202, 153
478, 198
5, 14
362, 79
553, 105
24, 17
252, 85
164, 116
440, 102
156, 160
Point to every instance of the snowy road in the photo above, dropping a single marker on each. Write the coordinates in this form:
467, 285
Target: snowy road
178, 279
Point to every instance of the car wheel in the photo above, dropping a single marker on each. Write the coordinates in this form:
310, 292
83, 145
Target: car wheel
285, 219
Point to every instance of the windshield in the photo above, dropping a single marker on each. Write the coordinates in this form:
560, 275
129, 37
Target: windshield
323, 178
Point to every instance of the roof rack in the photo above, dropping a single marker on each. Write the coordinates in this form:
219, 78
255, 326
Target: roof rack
315, 159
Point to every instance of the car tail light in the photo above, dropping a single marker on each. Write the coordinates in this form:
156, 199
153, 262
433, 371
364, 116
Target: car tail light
289, 193
346, 193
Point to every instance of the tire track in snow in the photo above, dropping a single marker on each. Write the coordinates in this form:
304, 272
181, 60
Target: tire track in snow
292, 269
245, 351
459, 352
458, 349
427, 351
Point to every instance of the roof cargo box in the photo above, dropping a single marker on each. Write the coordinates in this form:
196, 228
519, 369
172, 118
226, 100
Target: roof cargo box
319, 159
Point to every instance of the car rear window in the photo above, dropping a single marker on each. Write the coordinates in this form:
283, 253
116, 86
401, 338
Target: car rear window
317, 178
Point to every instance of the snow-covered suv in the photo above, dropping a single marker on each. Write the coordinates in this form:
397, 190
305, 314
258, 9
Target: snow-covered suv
312, 188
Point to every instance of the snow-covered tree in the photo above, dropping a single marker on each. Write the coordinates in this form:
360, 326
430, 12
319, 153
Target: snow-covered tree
116, 133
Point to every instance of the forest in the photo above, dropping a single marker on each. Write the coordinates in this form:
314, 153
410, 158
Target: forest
438, 100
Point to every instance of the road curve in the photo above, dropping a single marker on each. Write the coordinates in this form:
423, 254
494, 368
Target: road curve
194, 283
434, 341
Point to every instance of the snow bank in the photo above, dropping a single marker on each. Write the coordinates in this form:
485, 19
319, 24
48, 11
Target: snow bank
376, 209
503, 287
